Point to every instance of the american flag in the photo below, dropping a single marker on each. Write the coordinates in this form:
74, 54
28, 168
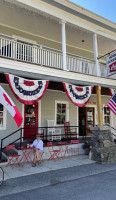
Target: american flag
112, 104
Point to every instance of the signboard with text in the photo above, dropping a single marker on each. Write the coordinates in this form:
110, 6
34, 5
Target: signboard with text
111, 64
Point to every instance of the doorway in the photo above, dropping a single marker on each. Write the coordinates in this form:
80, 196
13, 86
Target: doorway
86, 120
30, 120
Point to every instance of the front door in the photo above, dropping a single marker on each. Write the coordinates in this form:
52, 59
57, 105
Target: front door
86, 120
30, 120
89, 119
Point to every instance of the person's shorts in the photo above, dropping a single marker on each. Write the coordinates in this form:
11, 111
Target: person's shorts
41, 151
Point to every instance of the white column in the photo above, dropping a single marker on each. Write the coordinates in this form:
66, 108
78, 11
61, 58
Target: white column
95, 46
64, 45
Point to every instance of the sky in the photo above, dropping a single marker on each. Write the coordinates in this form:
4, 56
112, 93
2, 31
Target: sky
104, 8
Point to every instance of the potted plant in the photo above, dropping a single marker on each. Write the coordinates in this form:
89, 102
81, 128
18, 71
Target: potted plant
86, 147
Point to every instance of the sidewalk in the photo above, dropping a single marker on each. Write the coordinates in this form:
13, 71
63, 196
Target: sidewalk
27, 178
45, 166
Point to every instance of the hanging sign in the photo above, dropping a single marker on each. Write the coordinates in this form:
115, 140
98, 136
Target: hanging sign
78, 95
112, 91
7, 102
27, 91
111, 64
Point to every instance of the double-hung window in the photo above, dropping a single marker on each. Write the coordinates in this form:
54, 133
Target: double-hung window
2, 117
61, 114
106, 116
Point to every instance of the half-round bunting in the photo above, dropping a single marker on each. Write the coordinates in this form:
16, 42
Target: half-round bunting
27, 91
78, 95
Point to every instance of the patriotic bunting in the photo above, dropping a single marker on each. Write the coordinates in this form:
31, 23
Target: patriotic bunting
112, 104
27, 91
112, 91
6, 101
78, 95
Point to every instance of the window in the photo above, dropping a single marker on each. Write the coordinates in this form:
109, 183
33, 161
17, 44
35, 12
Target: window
106, 116
61, 113
2, 117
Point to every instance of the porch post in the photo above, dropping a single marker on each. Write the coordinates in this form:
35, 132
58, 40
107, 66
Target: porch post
95, 46
64, 45
99, 106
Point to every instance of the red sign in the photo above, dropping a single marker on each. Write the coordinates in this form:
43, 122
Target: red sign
112, 67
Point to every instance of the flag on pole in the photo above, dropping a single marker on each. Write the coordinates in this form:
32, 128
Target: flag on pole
112, 104
7, 102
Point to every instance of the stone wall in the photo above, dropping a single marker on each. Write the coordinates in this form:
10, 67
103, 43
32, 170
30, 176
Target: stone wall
103, 148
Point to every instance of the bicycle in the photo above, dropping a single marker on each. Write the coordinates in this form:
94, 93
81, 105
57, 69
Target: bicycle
1, 176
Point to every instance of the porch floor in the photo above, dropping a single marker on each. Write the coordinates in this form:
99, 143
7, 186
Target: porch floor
45, 166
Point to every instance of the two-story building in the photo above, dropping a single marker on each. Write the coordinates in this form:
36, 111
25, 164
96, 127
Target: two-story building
57, 41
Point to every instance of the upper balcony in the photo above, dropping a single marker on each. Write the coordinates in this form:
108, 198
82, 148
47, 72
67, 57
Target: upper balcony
15, 49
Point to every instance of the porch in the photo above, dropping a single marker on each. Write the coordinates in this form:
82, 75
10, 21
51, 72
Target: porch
34, 53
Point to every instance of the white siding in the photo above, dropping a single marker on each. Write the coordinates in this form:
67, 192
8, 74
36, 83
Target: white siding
48, 107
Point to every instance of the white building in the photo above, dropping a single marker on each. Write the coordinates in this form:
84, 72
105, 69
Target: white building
57, 41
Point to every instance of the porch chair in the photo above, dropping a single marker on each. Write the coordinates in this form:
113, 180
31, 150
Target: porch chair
53, 133
75, 149
70, 133
54, 154
12, 155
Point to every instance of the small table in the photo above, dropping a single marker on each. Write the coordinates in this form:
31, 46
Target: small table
26, 155
64, 151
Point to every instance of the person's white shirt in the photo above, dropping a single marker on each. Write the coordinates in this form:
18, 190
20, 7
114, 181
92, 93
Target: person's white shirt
37, 144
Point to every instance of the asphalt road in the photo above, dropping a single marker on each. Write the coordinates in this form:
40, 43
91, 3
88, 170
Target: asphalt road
101, 186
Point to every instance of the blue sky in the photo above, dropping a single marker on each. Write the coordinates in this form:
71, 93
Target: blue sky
104, 8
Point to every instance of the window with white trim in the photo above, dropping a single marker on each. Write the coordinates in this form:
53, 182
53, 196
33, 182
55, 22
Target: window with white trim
61, 113
106, 116
2, 117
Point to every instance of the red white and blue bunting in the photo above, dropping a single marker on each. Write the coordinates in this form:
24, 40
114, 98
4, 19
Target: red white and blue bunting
78, 95
112, 91
27, 91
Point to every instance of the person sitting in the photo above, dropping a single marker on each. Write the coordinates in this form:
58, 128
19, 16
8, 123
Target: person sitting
38, 149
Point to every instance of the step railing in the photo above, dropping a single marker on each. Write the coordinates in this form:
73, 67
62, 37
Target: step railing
16, 49
113, 131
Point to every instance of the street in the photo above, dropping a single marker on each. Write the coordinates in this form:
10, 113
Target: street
93, 187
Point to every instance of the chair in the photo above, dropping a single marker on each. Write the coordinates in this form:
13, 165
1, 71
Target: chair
71, 133
12, 155
75, 149
64, 151
53, 133
54, 154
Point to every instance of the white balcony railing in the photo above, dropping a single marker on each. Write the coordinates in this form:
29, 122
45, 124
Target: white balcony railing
45, 56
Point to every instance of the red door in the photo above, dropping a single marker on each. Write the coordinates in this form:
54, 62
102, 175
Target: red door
30, 121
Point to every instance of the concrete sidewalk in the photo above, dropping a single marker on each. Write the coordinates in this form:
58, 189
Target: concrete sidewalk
46, 166
51, 173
